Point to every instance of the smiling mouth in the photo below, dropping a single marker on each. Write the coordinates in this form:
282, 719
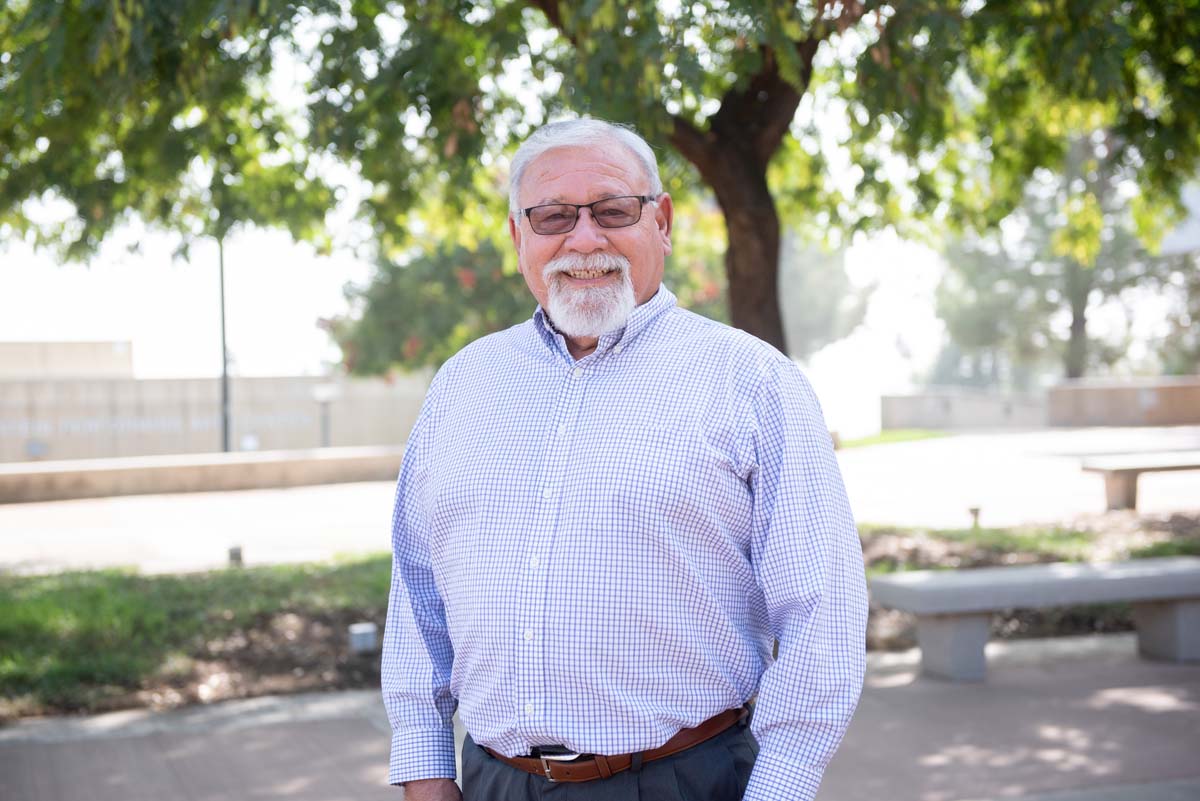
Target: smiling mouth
589, 274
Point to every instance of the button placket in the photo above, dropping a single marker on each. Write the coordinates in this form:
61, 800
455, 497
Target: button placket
533, 583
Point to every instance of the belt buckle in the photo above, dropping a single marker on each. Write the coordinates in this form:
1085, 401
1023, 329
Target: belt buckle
546, 759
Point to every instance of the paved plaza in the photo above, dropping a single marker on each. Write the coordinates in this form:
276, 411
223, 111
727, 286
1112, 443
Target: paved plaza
1012, 477
1068, 719
1071, 719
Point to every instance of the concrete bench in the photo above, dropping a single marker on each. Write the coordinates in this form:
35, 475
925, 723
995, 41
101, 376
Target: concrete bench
954, 607
1121, 472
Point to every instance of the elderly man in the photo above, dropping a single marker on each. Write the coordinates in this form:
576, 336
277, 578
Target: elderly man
605, 518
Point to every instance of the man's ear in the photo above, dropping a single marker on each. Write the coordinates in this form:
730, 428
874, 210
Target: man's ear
664, 219
514, 233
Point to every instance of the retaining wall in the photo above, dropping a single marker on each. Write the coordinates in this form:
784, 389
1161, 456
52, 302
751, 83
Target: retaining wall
1133, 402
960, 408
95, 478
88, 418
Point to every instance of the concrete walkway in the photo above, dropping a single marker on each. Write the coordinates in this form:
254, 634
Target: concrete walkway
1072, 719
1059, 720
1013, 477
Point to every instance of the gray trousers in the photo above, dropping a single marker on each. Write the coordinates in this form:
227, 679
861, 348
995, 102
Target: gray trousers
715, 770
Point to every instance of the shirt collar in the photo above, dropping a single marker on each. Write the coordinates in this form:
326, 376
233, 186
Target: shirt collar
639, 320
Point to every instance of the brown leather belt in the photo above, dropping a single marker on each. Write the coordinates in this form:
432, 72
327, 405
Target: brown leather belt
594, 766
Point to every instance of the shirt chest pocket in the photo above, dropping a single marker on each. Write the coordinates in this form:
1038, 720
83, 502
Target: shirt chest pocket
671, 473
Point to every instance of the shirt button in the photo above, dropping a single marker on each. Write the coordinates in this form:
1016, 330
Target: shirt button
547, 493
562, 429
528, 634
534, 561
529, 709
577, 372
617, 348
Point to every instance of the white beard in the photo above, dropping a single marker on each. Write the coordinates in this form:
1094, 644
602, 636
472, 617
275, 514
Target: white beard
588, 311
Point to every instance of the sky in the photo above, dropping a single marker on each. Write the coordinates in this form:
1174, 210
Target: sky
169, 310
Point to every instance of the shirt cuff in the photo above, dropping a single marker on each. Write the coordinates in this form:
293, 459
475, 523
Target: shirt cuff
422, 754
776, 778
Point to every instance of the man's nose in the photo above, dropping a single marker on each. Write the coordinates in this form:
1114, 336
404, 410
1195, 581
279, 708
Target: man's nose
587, 236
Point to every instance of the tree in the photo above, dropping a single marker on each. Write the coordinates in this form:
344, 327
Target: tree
951, 105
1001, 295
1180, 348
972, 98
159, 110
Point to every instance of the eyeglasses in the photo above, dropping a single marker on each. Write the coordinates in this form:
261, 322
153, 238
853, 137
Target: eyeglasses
611, 212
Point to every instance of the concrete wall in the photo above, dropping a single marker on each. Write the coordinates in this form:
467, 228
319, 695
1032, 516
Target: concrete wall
24, 482
101, 418
66, 360
960, 408
1133, 402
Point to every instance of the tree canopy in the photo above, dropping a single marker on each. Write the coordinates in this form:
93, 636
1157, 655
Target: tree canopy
936, 110
160, 110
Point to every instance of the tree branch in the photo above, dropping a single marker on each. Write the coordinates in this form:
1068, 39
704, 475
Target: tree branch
694, 145
756, 118
761, 114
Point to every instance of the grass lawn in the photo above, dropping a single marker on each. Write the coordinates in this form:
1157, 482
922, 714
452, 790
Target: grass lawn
71, 640
892, 436
90, 641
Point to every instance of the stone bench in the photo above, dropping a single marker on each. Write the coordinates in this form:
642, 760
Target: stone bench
954, 607
1121, 472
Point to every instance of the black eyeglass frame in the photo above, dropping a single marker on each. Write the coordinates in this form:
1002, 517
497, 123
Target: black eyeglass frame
577, 206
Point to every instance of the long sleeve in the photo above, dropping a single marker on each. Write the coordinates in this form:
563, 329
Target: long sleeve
417, 652
808, 561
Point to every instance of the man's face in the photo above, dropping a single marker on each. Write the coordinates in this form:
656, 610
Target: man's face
580, 273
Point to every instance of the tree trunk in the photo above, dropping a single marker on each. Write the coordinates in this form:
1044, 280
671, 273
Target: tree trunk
1079, 286
732, 158
732, 155
752, 259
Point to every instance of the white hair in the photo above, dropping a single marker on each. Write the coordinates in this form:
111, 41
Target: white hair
582, 132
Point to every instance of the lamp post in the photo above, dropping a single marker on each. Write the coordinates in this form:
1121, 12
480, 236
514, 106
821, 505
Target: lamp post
325, 394
224, 352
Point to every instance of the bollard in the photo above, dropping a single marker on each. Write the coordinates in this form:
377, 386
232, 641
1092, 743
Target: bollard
235, 556
362, 638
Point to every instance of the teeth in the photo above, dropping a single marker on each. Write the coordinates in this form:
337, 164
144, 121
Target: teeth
587, 273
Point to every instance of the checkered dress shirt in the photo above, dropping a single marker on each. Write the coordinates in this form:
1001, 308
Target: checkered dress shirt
597, 553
